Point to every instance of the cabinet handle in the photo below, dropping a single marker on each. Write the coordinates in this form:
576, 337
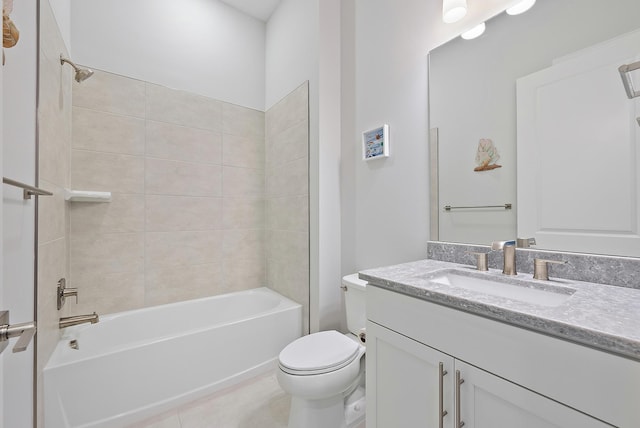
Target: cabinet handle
442, 413
459, 381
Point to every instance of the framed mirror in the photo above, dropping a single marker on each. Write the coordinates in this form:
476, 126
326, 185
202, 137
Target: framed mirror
535, 134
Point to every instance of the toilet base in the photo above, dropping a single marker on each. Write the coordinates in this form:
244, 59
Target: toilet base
334, 412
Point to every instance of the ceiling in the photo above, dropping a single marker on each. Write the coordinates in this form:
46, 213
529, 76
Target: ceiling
260, 9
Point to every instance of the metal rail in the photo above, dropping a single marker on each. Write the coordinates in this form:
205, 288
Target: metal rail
625, 73
28, 190
505, 206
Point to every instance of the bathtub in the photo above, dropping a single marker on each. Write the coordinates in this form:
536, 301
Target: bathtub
135, 364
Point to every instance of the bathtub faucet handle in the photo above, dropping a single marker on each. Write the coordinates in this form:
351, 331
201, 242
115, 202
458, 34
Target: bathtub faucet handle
64, 292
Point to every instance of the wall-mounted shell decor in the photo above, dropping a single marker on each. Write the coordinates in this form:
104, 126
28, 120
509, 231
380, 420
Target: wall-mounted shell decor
486, 156
10, 33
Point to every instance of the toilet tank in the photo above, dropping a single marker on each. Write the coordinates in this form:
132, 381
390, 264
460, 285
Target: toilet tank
355, 302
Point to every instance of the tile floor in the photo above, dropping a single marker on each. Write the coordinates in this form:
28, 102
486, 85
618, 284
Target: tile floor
257, 402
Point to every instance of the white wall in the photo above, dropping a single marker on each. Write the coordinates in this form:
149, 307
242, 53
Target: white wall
62, 12
18, 215
200, 46
291, 49
392, 40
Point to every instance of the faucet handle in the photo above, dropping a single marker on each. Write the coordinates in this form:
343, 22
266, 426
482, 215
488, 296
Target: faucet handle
64, 292
499, 245
525, 242
23, 331
481, 262
541, 269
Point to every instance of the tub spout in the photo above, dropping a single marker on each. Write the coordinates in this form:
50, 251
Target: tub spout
78, 319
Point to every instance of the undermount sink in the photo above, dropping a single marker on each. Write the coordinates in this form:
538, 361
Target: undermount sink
523, 291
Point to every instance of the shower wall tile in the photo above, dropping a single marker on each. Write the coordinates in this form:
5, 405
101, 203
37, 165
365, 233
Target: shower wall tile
183, 108
52, 221
125, 213
290, 110
243, 152
54, 122
51, 267
287, 198
51, 43
107, 132
107, 253
242, 181
288, 267
288, 145
243, 122
187, 217
244, 274
290, 179
182, 249
288, 213
244, 258
243, 213
245, 245
181, 213
167, 177
167, 285
107, 172
109, 292
176, 142
54, 141
108, 92
52, 258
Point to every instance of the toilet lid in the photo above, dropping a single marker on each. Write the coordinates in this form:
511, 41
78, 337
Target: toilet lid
318, 353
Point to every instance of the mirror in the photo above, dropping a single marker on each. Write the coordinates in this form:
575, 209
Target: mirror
484, 94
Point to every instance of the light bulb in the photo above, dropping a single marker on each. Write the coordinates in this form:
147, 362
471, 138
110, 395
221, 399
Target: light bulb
474, 32
521, 7
453, 10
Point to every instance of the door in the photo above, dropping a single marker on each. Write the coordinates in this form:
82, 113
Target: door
575, 116
19, 82
405, 384
487, 401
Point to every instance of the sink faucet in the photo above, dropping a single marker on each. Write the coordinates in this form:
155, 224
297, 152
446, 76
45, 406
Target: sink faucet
509, 250
78, 319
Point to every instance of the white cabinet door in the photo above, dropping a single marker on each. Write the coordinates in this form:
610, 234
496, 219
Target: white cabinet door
403, 382
487, 401
578, 153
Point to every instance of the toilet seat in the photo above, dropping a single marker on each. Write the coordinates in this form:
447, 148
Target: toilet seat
318, 353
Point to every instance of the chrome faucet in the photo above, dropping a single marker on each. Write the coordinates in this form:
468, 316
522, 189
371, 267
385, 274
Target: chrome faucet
78, 319
509, 253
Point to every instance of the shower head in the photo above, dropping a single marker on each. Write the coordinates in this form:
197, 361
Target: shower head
82, 74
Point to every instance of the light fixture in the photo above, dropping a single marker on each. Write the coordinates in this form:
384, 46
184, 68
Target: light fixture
474, 32
453, 10
520, 7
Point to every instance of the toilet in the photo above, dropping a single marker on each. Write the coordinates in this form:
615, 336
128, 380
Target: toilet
324, 372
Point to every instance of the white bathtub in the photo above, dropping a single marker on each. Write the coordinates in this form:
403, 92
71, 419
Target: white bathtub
132, 365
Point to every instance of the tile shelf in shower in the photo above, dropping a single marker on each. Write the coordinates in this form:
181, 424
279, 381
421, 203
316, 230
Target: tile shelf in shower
86, 196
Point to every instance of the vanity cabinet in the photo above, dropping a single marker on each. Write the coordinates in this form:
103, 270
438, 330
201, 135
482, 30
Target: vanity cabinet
510, 377
406, 387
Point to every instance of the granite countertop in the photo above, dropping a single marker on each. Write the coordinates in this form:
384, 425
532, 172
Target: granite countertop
600, 316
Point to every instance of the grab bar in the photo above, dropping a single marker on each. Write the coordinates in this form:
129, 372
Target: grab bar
626, 78
505, 206
28, 190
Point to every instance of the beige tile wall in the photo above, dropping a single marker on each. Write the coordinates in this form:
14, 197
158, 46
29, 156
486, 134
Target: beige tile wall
287, 197
54, 120
186, 174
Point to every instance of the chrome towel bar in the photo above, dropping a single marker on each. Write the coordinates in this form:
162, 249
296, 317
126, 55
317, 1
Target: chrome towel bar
625, 71
505, 206
28, 190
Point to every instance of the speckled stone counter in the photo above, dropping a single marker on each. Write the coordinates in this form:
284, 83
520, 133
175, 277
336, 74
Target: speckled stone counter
601, 316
